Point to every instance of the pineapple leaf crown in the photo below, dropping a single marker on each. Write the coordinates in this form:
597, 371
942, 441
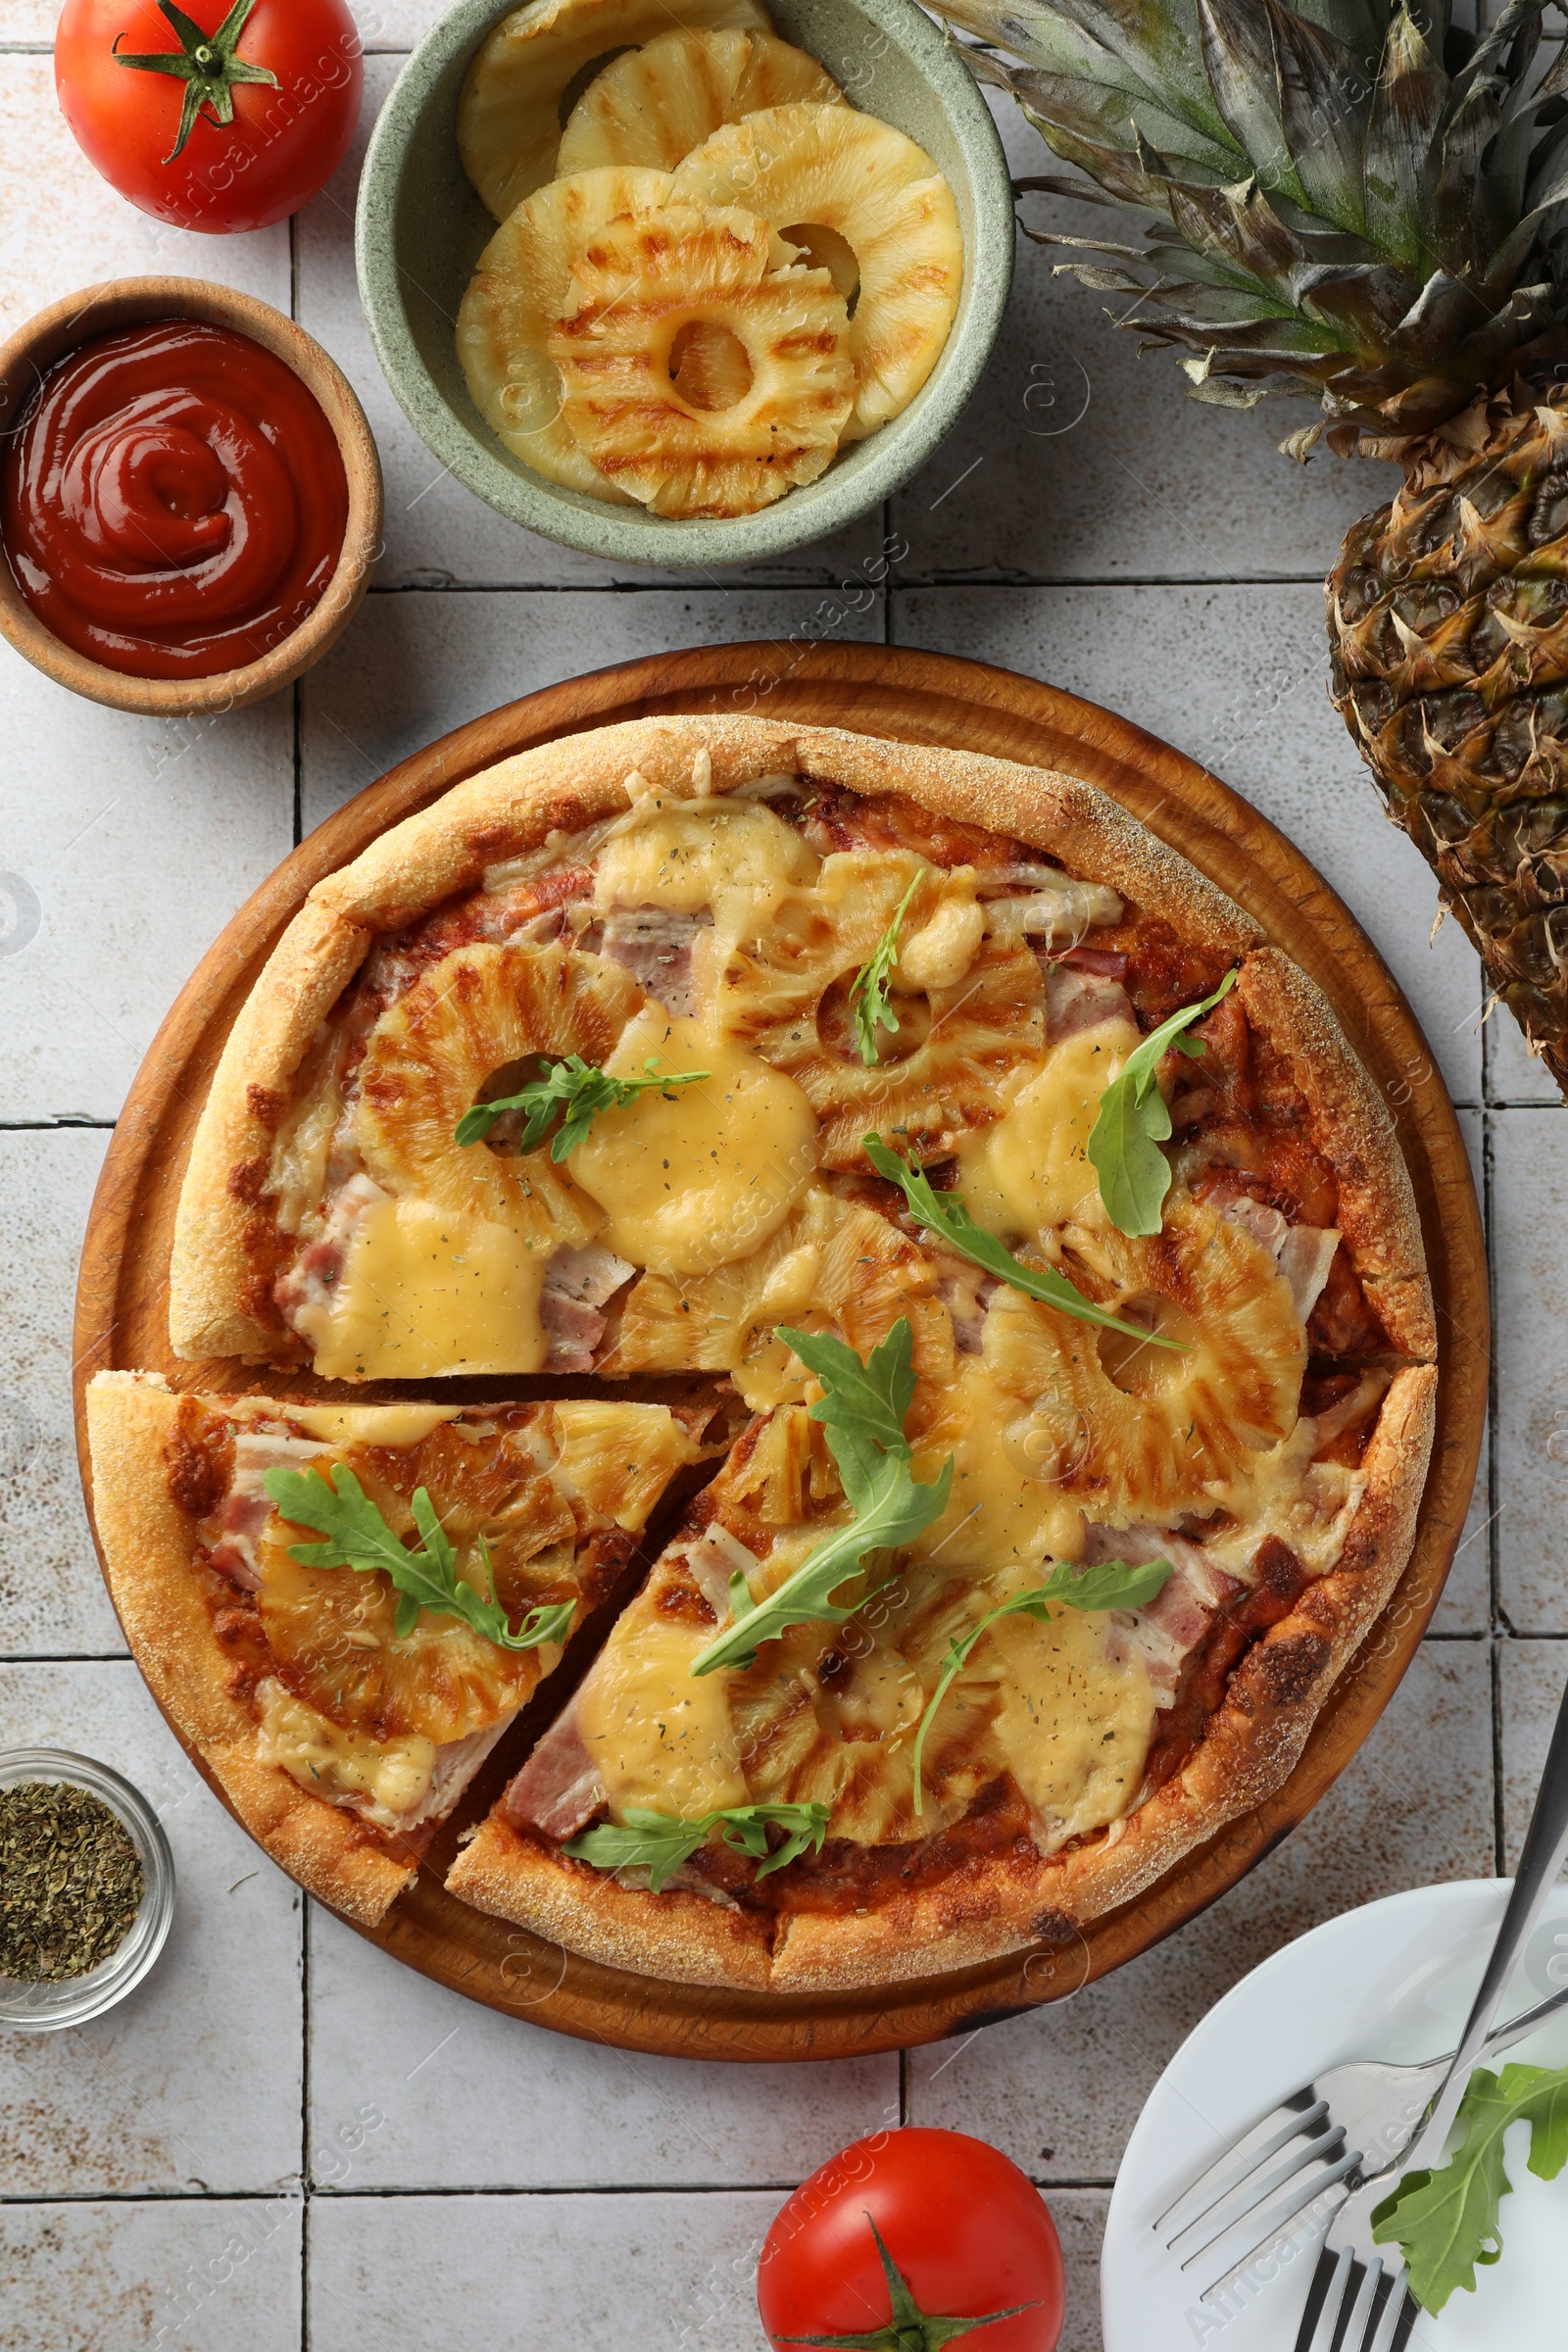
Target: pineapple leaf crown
1350, 201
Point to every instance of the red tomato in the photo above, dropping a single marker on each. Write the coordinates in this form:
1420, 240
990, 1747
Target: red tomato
965, 2232
288, 73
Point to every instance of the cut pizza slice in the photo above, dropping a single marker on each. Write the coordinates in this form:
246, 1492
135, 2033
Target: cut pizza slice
829, 1746
342, 1608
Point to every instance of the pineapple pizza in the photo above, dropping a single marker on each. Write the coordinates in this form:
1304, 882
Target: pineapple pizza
947, 1255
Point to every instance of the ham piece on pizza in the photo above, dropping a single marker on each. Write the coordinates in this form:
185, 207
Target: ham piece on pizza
981, 1157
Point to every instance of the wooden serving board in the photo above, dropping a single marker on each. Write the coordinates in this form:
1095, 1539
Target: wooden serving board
121, 1312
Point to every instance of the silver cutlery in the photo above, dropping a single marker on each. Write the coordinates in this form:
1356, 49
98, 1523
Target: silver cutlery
1347, 2136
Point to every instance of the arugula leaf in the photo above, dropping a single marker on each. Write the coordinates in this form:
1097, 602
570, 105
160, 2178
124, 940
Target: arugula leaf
1111, 1585
863, 1412
1135, 1120
359, 1537
1446, 2221
945, 1214
662, 1841
579, 1089
868, 991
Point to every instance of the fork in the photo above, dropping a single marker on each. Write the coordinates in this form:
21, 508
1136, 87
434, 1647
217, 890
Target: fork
1352, 2274
1348, 2124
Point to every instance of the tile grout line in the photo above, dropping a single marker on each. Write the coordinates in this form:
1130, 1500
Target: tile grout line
304, 2122
578, 2188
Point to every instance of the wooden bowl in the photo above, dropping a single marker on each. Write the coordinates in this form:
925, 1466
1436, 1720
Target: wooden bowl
129, 302
122, 1296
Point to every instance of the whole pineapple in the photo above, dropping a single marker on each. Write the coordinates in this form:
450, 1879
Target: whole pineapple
1363, 205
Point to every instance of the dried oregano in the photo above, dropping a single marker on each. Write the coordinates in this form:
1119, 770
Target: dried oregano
70, 1882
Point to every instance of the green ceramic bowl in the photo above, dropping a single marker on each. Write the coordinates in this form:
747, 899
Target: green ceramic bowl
422, 228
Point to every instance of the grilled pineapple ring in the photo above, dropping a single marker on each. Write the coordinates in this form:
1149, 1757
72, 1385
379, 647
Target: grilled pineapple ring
653, 105
509, 116
332, 1630
829, 168
520, 289
785, 960
1165, 1432
645, 280
430, 1053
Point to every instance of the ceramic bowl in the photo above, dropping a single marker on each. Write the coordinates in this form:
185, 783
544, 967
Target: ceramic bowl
37, 2007
132, 302
422, 228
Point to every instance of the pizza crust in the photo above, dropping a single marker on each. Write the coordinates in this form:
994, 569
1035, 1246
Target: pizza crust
990, 1908
513, 808
144, 1541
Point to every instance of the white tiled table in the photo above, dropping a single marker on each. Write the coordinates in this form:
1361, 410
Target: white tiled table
284, 2139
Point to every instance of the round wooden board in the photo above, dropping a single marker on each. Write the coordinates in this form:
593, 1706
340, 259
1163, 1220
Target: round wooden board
121, 1312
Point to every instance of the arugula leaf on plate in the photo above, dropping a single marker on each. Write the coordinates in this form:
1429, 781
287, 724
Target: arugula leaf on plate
661, 1841
1111, 1585
862, 1410
579, 1089
870, 990
1445, 2220
359, 1537
945, 1214
1135, 1120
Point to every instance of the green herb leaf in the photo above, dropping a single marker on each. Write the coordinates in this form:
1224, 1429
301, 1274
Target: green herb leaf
1134, 1121
862, 1412
870, 990
660, 1841
1445, 2220
579, 1090
1111, 1585
945, 1214
359, 1537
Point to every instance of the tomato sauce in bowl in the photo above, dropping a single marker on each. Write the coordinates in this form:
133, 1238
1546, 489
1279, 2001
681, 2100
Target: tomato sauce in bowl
174, 502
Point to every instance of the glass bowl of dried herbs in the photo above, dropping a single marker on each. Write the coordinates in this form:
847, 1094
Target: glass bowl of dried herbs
86, 1889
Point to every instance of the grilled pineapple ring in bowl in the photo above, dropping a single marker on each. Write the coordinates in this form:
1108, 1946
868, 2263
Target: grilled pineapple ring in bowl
654, 106
882, 201
524, 284
644, 282
509, 114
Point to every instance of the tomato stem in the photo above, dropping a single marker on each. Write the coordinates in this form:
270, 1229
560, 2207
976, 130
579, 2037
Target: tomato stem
205, 61
908, 2329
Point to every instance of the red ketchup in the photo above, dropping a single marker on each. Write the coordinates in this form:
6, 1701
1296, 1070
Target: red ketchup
175, 503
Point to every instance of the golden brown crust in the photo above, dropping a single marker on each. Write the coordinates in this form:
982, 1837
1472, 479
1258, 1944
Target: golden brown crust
511, 808
145, 1541
989, 1908
1354, 1130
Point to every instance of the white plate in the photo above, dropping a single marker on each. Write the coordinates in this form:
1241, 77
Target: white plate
1392, 1981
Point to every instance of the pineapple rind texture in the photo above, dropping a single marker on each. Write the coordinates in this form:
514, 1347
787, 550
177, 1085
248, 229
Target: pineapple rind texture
508, 114
830, 168
520, 289
653, 105
1448, 627
641, 282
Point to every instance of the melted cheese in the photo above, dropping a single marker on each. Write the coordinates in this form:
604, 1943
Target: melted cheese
427, 1292
1072, 1728
704, 1173
371, 1424
393, 1777
1005, 1508
678, 853
619, 1458
1031, 1170
659, 1735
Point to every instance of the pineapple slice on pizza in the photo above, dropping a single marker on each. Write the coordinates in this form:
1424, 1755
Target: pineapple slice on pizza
343, 1607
